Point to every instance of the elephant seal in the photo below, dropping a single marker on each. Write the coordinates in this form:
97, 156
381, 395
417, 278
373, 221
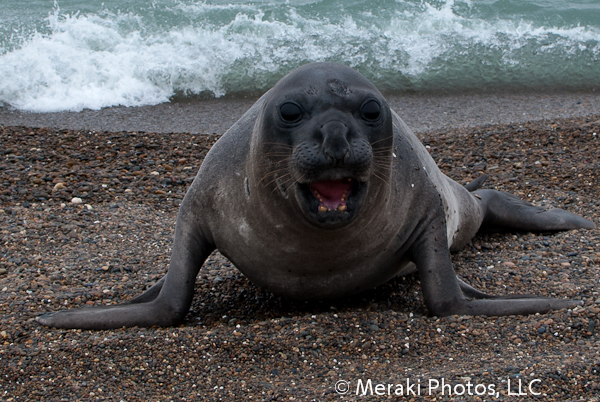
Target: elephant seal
321, 191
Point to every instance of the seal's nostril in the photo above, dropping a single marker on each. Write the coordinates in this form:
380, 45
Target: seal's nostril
330, 157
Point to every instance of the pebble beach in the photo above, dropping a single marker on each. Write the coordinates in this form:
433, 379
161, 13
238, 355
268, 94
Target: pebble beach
127, 169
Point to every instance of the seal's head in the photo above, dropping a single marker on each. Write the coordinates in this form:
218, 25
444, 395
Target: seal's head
326, 137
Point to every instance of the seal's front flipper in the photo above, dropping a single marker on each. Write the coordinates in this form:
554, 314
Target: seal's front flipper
445, 294
503, 212
477, 183
164, 304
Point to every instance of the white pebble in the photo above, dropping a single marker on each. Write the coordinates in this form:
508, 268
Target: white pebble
76, 200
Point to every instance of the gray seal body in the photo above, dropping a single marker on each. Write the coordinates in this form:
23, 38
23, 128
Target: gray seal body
321, 191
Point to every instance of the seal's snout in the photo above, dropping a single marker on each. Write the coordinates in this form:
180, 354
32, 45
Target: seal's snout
335, 143
332, 194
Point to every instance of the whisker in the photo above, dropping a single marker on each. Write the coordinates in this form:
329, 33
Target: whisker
383, 139
267, 163
280, 146
276, 143
380, 152
384, 171
275, 179
386, 164
385, 181
273, 172
286, 182
298, 179
382, 149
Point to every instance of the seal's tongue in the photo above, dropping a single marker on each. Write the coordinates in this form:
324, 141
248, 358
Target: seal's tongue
332, 194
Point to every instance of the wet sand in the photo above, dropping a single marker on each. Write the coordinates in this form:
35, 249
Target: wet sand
421, 113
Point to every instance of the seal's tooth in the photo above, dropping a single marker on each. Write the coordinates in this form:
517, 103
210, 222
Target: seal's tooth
341, 207
322, 208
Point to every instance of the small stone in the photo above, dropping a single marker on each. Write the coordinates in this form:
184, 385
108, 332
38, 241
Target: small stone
76, 200
89, 207
154, 173
58, 187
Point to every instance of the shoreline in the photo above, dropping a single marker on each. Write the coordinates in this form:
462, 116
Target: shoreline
421, 112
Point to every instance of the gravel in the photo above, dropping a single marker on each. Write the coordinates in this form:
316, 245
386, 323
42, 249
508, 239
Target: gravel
242, 343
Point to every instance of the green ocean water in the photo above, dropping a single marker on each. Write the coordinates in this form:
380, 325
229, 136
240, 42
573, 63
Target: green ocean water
71, 55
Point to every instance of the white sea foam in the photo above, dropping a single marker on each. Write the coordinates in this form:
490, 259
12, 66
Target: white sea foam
126, 58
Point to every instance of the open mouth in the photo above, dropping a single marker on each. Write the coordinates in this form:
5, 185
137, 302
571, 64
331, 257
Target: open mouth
332, 203
332, 194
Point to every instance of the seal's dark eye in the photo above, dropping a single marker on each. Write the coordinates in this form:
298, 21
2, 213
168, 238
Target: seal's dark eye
290, 112
371, 110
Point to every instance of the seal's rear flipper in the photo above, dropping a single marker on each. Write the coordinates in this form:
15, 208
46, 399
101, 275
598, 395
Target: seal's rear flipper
477, 183
150, 294
445, 294
504, 212
471, 292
